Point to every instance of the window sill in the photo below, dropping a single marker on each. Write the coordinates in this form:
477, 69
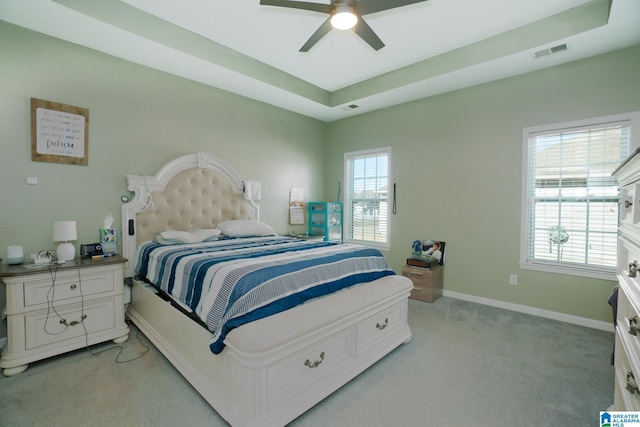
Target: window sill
603, 274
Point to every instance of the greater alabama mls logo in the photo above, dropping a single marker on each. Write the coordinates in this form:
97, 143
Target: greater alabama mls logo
619, 419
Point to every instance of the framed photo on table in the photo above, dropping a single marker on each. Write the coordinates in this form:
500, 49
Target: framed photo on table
59, 133
427, 253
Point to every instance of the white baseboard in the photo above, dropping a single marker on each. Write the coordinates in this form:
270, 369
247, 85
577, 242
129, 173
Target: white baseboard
576, 320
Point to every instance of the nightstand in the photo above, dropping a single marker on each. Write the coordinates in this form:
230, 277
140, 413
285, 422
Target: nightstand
427, 282
52, 310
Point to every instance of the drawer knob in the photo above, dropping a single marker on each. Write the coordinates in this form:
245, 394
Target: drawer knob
316, 363
632, 386
627, 204
73, 286
633, 326
383, 325
633, 268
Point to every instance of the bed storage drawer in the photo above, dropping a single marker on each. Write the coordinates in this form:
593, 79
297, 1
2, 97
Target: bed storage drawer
377, 328
303, 372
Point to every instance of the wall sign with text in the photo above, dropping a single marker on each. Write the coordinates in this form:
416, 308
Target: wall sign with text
59, 133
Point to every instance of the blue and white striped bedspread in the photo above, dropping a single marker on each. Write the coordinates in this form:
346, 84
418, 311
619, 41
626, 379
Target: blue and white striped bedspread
234, 281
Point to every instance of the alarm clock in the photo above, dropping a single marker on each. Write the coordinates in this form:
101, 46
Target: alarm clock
90, 250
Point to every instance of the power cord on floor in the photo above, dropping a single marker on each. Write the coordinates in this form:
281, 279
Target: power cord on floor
118, 347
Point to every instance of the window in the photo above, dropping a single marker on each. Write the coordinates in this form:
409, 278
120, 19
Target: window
366, 208
570, 200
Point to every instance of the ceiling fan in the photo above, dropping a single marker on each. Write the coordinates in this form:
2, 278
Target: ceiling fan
344, 15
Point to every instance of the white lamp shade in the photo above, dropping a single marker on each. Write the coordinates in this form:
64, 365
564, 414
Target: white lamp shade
64, 231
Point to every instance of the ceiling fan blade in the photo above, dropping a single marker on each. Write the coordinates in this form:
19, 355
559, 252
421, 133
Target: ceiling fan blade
366, 33
315, 7
372, 6
315, 38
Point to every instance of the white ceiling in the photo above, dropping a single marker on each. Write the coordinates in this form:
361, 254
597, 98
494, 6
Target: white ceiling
431, 47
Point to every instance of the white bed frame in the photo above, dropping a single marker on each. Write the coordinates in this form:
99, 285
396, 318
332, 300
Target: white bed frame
272, 370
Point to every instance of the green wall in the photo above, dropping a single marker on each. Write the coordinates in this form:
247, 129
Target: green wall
139, 120
456, 159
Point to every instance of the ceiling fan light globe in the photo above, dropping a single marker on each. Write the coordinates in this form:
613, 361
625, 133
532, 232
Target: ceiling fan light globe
344, 19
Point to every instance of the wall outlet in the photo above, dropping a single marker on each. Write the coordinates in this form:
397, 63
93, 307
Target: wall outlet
513, 279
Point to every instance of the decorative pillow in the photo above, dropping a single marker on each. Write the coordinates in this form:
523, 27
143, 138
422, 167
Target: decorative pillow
196, 235
245, 228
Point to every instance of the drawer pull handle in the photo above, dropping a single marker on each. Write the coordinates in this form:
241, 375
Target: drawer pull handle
74, 286
415, 273
417, 289
632, 386
633, 268
383, 325
73, 322
633, 326
316, 363
627, 204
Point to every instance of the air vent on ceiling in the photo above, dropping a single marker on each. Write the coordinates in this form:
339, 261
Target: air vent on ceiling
349, 107
550, 51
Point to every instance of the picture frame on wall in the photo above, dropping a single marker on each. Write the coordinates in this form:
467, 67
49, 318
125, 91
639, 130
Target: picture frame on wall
59, 133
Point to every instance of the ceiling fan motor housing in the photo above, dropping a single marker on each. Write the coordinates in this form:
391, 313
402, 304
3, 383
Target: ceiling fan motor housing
344, 16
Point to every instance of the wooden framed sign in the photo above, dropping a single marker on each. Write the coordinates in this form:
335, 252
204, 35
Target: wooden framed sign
59, 133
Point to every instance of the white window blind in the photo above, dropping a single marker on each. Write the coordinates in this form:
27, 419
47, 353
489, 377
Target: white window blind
366, 207
571, 197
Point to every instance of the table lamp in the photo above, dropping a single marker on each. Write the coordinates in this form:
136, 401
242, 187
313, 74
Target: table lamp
65, 231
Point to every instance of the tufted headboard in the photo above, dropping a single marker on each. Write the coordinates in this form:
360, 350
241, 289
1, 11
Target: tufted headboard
192, 191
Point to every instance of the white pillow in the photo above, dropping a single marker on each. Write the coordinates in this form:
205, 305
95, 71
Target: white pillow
159, 239
245, 228
196, 235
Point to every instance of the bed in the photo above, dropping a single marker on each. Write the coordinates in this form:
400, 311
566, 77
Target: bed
272, 368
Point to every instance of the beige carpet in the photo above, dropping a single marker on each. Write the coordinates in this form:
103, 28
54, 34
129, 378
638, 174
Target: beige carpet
467, 365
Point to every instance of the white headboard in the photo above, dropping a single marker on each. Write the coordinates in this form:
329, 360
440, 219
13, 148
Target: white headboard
192, 191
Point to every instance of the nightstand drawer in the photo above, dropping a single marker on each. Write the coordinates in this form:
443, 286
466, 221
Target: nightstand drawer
67, 287
44, 327
423, 293
419, 276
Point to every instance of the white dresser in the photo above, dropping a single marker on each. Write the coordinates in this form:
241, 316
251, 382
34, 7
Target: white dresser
52, 311
627, 340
